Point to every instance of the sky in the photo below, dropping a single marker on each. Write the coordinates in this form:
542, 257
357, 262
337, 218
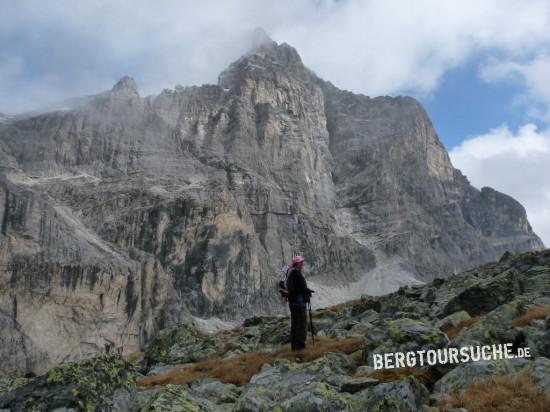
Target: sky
480, 68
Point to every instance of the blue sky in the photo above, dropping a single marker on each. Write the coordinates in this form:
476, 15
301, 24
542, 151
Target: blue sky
463, 105
481, 69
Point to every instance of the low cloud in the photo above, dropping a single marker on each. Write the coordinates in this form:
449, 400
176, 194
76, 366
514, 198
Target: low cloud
516, 163
372, 47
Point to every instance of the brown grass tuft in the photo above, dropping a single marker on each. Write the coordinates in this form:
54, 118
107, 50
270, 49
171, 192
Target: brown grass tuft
239, 369
500, 394
323, 345
227, 346
425, 375
342, 305
453, 331
135, 356
534, 312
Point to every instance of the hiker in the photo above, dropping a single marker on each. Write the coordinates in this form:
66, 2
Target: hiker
298, 297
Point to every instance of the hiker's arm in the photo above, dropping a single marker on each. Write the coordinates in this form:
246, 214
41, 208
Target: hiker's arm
302, 285
290, 283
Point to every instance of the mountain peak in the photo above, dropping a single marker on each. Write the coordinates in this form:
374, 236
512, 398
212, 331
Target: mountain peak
262, 45
261, 40
264, 55
126, 86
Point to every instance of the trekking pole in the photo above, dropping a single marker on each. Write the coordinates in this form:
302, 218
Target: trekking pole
311, 324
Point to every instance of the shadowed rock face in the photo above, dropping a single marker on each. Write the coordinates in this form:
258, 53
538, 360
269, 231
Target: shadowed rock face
399, 193
126, 214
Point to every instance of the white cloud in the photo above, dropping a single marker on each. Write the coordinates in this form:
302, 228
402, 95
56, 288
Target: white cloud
533, 74
517, 164
373, 47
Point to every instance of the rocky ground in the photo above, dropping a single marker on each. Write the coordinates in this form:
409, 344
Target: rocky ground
250, 368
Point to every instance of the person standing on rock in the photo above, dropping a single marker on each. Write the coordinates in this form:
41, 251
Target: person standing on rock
298, 297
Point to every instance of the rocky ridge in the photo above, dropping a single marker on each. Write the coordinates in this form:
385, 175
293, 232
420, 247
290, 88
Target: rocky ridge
486, 304
122, 214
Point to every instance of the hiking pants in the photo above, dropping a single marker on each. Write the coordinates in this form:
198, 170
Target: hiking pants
298, 326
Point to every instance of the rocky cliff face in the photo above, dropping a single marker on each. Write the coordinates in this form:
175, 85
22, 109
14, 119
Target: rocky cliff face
399, 194
126, 214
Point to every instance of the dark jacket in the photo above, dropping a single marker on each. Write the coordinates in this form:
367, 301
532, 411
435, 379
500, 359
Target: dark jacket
298, 292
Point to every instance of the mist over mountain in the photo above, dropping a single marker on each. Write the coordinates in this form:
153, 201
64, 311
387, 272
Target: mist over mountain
124, 214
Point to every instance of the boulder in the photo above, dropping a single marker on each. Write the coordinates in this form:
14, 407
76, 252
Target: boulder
178, 398
464, 374
284, 380
452, 320
539, 369
402, 335
216, 391
358, 384
91, 385
484, 295
494, 328
320, 397
404, 395
537, 339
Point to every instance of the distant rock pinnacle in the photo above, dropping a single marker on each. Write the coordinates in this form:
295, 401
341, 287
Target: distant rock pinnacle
127, 85
260, 39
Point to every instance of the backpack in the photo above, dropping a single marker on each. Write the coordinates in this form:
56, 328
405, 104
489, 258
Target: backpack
281, 285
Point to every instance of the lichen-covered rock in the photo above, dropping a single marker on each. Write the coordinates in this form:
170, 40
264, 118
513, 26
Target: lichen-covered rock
358, 384
177, 398
496, 327
539, 369
360, 329
375, 337
321, 397
216, 391
274, 384
370, 316
90, 385
276, 333
402, 335
464, 374
7, 384
452, 320
404, 395
124, 401
185, 344
537, 339
485, 294
536, 281
406, 330
162, 347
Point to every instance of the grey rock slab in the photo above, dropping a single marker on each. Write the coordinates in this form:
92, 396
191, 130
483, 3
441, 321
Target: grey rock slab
464, 374
162, 369
452, 320
358, 384
407, 394
540, 370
